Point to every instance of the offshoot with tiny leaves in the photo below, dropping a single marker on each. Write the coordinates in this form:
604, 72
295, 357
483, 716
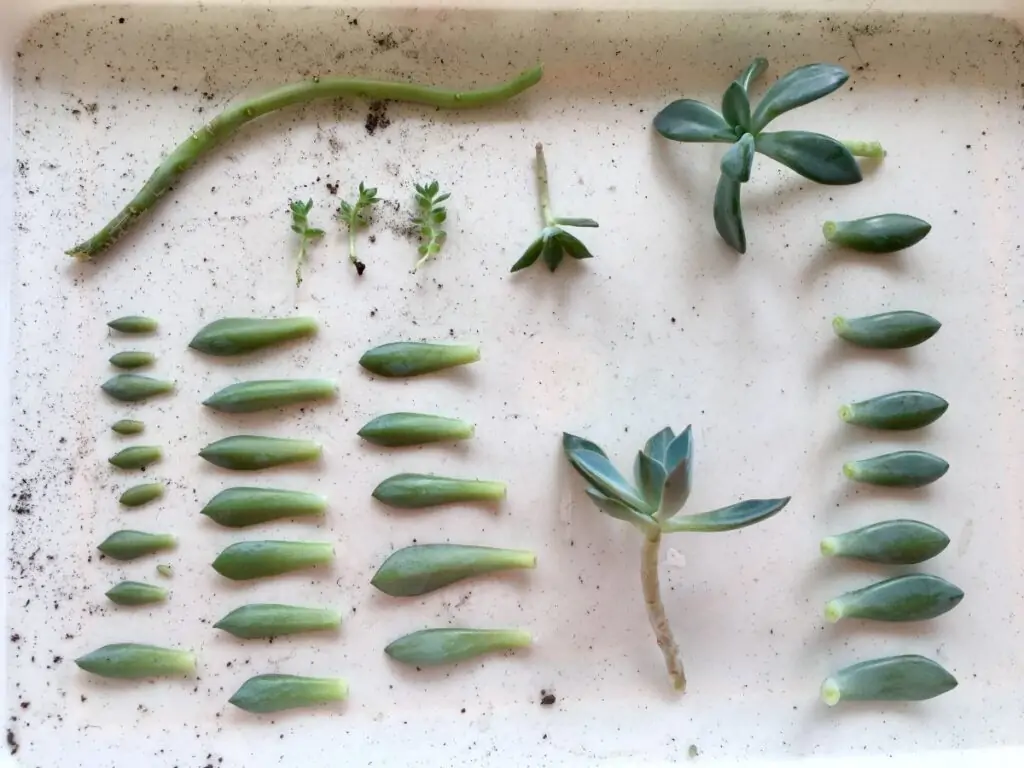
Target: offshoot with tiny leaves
812, 155
307, 234
355, 216
554, 242
662, 477
429, 217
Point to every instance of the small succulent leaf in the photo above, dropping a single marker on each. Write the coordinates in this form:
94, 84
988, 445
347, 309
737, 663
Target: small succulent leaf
531, 255
738, 160
691, 120
814, 156
729, 518
679, 469
649, 476
571, 222
728, 216
552, 252
574, 443
794, 89
442, 198
620, 511
573, 246
597, 470
680, 450
657, 446
736, 107
753, 71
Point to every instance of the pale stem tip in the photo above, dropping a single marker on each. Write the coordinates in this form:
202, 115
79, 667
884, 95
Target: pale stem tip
829, 546
838, 323
830, 693
829, 229
833, 611
846, 413
850, 470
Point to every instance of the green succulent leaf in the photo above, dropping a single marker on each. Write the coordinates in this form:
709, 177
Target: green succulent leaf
573, 443
552, 251
649, 476
597, 470
573, 246
570, 222
530, 256
728, 216
814, 156
729, 518
753, 71
794, 89
657, 446
620, 511
679, 471
691, 120
736, 106
738, 160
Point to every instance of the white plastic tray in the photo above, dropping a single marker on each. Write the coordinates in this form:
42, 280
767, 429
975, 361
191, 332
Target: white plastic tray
664, 326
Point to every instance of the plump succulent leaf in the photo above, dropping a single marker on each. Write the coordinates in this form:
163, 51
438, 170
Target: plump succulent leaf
620, 511
728, 216
572, 245
571, 222
753, 71
729, 518
736, 107
574, 443
738, 160
691, 120
530, 256
794, 89
597, 470
679, 469
812, 155
649, 476
657, 446
552, 251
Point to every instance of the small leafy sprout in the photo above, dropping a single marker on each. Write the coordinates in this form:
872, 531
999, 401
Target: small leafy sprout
554, 242
307, 234
662, 475
354, 216
430, 215
812, 155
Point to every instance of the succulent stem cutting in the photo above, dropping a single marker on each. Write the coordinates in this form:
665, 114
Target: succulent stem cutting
662, 476
554, 242
815, 156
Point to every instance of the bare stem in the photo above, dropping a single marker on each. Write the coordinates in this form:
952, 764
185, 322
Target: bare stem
656, 611
542, 187
871, 149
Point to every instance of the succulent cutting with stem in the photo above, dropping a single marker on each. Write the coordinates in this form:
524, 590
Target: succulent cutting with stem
554, 242
662, 477
307, 234
430, 215
815, 156
355, 216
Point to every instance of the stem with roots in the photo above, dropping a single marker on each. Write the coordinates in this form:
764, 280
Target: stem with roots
656, 611
224, 125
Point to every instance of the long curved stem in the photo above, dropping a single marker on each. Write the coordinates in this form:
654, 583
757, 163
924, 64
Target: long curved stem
221, 127
656, 611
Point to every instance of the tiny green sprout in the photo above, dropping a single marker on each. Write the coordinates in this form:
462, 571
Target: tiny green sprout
554, 242
355, 216
651, 503
814, 156
307, 234
429, 217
